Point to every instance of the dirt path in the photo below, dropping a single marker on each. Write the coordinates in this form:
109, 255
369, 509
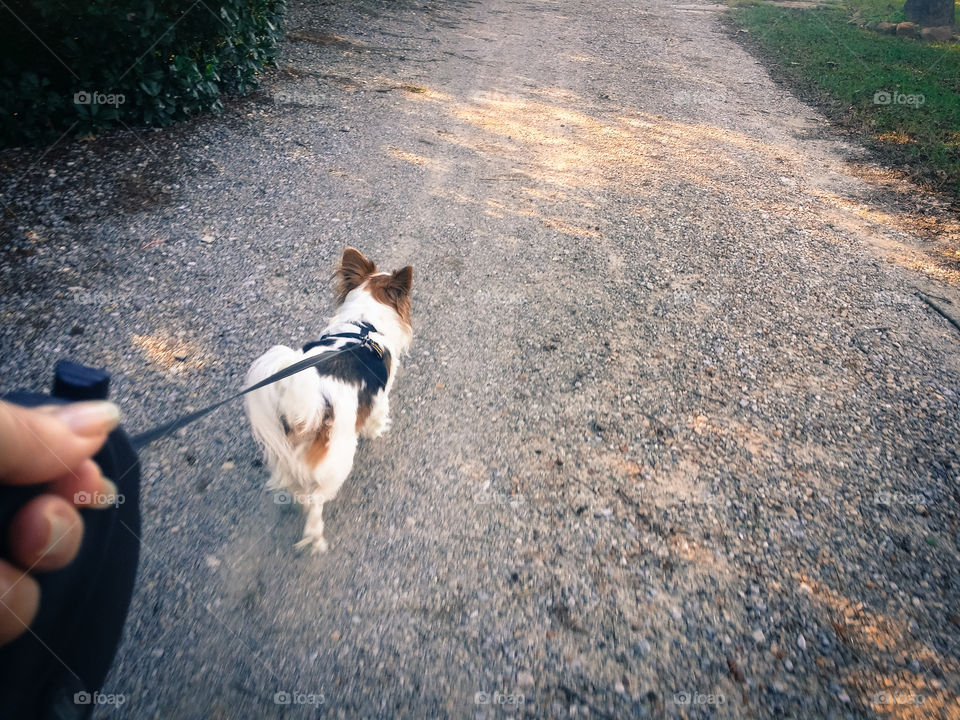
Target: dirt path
677, 437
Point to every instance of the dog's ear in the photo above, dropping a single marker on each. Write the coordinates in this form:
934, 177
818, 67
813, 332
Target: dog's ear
354, 268
401, 280
398, 292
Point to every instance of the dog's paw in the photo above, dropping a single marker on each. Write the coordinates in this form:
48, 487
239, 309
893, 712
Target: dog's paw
317, 545
380, 428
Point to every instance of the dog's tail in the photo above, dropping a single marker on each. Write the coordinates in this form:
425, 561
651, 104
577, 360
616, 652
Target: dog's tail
282, 411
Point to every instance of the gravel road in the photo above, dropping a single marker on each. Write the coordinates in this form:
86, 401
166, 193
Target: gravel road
677, 436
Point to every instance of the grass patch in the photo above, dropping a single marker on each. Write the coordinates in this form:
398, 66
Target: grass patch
901, 96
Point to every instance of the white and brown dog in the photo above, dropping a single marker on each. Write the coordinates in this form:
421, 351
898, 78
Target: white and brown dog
308, 423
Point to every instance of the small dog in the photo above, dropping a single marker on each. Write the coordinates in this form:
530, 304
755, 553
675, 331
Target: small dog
308, 423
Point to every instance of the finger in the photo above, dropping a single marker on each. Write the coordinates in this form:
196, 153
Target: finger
19, 600
86, 487
45, 534
40, 445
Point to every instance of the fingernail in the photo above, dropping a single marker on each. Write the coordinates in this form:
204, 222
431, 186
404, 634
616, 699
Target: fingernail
90, 418
59, 527
108, 497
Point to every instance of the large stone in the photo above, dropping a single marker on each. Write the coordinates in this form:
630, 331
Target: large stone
929, 13
906, 29
887, 28
942, 34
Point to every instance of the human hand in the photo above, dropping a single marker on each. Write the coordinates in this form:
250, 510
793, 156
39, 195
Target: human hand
54, 445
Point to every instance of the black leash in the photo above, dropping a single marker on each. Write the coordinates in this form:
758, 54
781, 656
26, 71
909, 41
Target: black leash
145, 438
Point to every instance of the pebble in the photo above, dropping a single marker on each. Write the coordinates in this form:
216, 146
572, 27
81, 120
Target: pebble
758, 635
801, 642
524, 678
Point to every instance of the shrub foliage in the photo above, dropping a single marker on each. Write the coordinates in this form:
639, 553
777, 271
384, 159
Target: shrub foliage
72, 65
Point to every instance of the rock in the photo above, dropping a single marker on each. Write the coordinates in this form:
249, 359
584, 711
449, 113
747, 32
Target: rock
929, 12
524, 678
942, 34
887, 28
801, 642
758, 635
906, 29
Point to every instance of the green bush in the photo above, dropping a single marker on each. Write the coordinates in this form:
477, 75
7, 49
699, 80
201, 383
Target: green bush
83, 65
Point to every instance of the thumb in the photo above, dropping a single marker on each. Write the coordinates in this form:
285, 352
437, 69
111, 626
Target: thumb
42, 444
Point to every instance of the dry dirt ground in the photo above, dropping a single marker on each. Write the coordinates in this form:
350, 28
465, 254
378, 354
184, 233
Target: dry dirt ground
678, 433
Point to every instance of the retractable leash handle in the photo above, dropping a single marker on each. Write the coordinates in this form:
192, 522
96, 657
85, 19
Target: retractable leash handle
54, 670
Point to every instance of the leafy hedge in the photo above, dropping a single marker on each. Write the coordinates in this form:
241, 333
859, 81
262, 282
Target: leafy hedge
83, 65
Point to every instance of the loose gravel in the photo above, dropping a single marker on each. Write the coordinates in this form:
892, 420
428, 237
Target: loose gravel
677, 436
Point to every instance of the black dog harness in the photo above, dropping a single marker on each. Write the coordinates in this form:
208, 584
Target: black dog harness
363, 336
365, 360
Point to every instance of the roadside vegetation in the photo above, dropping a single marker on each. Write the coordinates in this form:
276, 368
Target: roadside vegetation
900, 95
70, 68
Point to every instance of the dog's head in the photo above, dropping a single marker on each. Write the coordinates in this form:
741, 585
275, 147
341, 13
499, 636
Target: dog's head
357, 273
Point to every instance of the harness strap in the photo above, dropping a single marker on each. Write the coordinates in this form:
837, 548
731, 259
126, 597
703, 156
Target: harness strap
364, 337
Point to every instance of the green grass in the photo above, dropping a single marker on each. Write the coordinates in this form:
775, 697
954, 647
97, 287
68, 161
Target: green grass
843, 66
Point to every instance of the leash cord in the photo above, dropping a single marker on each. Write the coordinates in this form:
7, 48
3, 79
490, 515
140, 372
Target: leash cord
145, 438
